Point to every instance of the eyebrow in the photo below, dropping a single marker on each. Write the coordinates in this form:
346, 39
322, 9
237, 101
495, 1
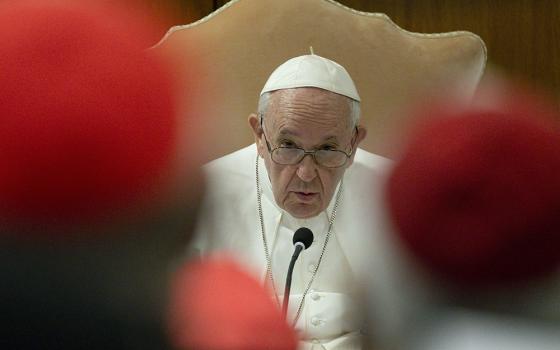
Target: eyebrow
290, 132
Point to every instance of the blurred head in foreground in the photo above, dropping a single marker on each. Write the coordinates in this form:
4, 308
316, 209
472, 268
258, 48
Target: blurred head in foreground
215, 305
475, 199
90, 209
476, 195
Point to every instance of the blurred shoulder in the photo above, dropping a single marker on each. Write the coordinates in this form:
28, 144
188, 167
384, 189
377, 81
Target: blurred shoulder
370, 164
236, 163
232, 172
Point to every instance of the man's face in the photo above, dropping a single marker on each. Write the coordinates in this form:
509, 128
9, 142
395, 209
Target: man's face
312, 119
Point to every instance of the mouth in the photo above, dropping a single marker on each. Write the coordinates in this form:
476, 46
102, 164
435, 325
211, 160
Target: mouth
306, 196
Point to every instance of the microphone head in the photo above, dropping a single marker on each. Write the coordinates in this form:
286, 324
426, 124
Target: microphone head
303, 235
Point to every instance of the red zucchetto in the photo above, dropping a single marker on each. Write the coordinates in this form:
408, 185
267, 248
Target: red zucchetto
217, 306
476, 195
87, 116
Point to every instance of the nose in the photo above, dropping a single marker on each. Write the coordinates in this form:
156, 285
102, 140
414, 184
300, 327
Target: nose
307, 169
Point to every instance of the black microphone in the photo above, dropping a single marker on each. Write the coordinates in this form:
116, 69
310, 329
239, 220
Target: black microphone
303, 237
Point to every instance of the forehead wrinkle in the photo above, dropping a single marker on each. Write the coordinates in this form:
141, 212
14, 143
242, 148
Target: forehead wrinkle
315, 112
295, 133
311, 102
316, 109
289, 117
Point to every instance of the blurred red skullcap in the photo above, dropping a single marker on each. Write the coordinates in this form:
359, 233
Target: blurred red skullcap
216, 306
88, 124
476, 195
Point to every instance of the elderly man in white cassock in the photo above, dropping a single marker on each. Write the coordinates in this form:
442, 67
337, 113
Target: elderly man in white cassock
304, 170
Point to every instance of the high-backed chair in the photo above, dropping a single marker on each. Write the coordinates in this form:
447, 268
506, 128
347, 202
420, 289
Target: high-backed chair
240, 44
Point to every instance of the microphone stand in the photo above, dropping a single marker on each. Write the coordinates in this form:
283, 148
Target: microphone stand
299, 247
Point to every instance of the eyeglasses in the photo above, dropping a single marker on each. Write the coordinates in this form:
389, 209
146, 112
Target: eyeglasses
285, 155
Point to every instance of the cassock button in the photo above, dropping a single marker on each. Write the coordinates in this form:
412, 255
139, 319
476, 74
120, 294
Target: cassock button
315, 296
315, 321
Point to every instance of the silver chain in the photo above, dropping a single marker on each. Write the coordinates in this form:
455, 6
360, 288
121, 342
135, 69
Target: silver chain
265, 244
267, 252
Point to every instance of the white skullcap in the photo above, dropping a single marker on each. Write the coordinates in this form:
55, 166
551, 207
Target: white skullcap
312, 71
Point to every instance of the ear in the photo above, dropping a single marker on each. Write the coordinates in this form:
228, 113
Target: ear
255, 125
361, 135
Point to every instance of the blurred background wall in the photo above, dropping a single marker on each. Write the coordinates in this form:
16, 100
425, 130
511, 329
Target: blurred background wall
522, 36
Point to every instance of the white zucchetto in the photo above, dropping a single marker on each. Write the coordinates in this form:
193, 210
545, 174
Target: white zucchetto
312, 71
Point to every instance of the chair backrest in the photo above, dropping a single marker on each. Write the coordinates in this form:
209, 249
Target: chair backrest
241, 43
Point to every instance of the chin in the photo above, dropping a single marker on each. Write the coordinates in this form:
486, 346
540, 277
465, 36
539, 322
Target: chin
302, 211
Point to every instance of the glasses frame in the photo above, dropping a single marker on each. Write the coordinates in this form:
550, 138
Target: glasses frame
311, 153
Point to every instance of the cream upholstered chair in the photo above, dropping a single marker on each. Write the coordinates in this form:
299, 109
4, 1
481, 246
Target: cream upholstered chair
240, 44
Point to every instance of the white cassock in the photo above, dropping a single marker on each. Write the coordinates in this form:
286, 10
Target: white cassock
332, 316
